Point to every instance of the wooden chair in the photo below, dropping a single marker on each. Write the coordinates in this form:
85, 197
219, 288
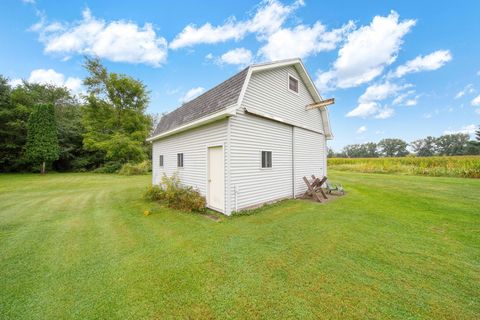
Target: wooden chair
314, 188
319, 185
311, 190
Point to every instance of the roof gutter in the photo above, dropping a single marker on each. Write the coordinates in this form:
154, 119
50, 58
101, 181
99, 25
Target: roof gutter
229, 111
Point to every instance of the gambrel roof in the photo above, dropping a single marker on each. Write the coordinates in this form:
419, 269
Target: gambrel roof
222, 101
216, 99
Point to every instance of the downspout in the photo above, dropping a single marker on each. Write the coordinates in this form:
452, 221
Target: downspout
293, 162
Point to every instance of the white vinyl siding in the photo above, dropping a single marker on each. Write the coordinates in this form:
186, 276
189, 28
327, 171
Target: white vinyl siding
309, 157
252, 184
268, 92
290, 150
193, 144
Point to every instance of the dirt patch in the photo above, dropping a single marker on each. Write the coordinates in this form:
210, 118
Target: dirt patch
330, 197
212, 217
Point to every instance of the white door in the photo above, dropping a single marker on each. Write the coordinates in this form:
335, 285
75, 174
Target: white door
216, 188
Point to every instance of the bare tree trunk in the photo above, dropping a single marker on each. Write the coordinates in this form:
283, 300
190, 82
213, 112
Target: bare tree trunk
43, 168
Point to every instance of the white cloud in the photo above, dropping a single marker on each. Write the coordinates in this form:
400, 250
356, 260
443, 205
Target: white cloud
367, 51
368, 102
364, 110
120, 41
15, 82
239, 56
268, 18
50, 76
411, 102
384, 113
468, 89
378, 92
478, 73
476, 101
29, 1
399, 99
361, 130
432, 61
468, 129
192, 93
302, 41
371, 109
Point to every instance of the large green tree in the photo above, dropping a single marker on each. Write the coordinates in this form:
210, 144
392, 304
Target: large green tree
114, 115
42, 142
393, 147
452, 144
425, 147
364, 150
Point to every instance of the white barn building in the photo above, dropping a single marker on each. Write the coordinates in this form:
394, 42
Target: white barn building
249, 140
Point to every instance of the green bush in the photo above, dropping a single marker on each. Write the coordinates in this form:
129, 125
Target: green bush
130, 169
174, 195
154, 193
109, 167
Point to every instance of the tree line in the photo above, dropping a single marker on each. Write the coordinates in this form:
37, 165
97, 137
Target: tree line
445, 145
43, 125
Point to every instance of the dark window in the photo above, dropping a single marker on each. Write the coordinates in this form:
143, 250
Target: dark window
180, 160
293, 84
266, 159
160, 160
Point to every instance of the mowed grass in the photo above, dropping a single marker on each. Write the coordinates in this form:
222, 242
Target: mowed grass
451, 166
78, 246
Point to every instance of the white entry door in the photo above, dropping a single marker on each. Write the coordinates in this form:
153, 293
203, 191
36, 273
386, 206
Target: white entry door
216, 188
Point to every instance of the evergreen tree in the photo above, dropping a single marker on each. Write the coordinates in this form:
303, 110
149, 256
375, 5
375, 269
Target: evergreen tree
42, 142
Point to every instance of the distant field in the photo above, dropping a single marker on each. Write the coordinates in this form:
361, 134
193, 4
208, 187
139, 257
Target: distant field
457, 166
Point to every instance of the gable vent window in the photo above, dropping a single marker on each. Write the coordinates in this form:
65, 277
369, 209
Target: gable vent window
160, 160
180, 160
266, 159
292, 84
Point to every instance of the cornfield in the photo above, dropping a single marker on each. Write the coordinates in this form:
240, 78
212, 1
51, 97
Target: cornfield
454, 166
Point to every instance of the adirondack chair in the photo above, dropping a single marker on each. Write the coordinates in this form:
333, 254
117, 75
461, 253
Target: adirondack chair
332, 187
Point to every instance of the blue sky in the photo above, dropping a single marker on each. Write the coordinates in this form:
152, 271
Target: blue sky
396, 68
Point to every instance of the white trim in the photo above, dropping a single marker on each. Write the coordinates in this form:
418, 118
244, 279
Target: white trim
293, 162
207, 186
278, 119
228, 161
289, 75
244, 88
230, 111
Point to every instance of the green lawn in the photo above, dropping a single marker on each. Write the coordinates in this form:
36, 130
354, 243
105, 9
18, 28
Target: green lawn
78, 246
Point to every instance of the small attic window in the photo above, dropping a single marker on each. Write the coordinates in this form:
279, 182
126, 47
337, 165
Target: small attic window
292, 83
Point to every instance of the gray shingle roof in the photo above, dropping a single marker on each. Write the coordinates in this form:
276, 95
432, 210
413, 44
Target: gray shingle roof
216, 99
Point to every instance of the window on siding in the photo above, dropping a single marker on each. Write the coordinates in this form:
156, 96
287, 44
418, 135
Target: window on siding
293, 84
160, 160
180, 160
266, 159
